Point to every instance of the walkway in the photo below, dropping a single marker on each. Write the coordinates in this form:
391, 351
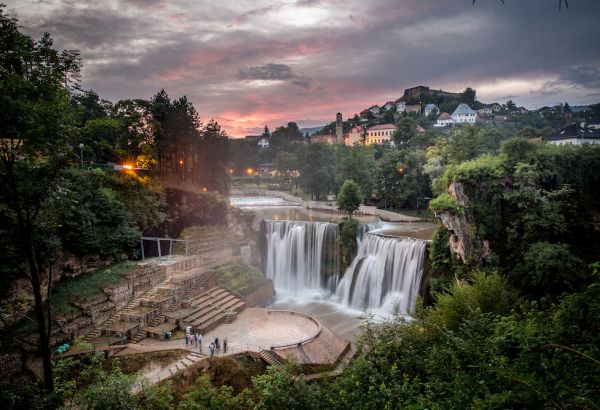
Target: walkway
327, 206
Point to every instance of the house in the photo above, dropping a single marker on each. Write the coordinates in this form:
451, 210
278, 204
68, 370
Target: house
430, 109
375, 110
400, 105
354, 136
379, 134
495, 107
574, 134
416, 108
389, 106
464, 114
364, 114
522, 110
266, 168
263, 142
444, 120
485, 110
420, 130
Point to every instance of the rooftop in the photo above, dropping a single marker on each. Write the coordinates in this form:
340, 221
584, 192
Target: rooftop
574, 131
382, 127
463, 109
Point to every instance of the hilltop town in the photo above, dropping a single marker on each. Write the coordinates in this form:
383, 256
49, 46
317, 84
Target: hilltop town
437, 110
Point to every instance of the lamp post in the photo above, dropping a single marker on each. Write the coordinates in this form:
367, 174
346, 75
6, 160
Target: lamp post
81, 154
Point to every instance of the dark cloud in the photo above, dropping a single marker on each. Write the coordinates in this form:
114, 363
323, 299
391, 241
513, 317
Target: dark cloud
583, 76
273, 72
355, 53
87, 28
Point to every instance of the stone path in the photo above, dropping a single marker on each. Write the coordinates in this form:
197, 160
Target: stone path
327, 206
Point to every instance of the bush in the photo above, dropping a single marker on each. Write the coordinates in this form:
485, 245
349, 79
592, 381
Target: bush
486, 294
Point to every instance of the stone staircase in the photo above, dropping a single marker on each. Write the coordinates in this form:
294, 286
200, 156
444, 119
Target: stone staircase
117, 316
271, 358
212, 308
141, 335
184, 362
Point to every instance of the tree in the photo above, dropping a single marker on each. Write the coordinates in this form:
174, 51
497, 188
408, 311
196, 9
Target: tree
317, 169
37, 131
286, 168
468, 96
357, 163
406, 131
511, 106
349, 198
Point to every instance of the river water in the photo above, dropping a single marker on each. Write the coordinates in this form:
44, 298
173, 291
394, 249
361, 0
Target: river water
303, 261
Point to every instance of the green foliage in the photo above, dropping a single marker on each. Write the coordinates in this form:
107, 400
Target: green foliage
486, 294
446, 203
317, 169
87, 284
549, 269
357, 163
348, 232
286, 167
400, 179
350, 197
240, 277
406, 132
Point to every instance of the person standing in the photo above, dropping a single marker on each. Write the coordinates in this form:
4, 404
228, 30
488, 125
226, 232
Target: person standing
199, 342
211, 347
225, 345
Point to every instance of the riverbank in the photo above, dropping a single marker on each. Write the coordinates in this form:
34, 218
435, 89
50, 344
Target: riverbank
328, 206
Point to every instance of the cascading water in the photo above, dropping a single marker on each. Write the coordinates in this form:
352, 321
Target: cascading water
301, 255
384, 276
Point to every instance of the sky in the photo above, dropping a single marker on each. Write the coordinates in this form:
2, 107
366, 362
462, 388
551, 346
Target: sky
247, 63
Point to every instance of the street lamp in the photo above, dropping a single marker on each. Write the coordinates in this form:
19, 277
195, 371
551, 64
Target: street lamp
81, 154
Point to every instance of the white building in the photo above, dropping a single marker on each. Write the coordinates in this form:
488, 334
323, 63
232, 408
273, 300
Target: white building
263, 143
430, 109
574, 134
444, 120
389, 106
464, 115
485, 110
379, 134
375, 110
400, 105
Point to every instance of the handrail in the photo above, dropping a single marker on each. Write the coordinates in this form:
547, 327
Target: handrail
230, 290
301, 342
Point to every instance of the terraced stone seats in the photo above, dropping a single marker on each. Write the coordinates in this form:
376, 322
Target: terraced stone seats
211, 308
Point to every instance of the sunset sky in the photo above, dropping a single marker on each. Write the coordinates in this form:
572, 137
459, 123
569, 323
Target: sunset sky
250, 63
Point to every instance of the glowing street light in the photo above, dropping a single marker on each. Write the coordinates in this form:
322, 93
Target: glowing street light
250, 171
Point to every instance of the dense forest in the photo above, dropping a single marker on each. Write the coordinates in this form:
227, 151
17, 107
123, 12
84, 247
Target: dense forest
511, 314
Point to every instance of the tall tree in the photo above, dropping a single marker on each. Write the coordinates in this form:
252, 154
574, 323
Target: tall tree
349, 197
36, 134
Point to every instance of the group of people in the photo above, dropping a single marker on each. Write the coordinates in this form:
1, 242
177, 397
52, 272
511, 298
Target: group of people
215, 346
195, 339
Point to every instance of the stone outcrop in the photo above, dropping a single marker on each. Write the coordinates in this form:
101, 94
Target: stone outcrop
463, 240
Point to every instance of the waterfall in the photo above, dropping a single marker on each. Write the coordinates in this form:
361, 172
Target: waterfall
384, 276
301, 255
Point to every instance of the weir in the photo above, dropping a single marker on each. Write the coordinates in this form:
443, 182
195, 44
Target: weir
384, 277
301, 255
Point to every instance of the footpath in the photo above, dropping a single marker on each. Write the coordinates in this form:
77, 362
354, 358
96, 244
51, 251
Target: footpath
384, 215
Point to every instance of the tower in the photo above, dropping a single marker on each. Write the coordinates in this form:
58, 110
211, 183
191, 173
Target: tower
339, 129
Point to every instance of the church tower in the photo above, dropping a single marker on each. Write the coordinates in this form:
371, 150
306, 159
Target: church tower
339, 129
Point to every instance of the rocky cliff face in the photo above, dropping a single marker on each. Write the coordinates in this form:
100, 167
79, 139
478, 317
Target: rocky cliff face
461, 229
19, 298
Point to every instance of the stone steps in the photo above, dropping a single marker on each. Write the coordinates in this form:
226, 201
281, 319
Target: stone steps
271, 359
184, 362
